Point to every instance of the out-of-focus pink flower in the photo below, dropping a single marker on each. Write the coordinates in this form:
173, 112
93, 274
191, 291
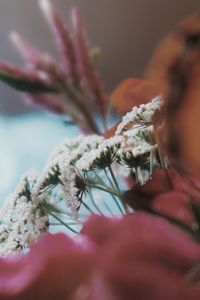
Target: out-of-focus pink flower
54, 269
136, 257
167, 193
142, 257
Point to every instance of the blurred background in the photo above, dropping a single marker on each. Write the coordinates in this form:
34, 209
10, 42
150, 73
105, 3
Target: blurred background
126, 31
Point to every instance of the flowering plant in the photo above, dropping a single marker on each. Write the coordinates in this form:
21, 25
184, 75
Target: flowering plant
137, 182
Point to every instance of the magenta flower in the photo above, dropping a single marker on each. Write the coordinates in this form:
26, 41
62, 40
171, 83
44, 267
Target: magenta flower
167, 193
143, 257
53, 269
137, 257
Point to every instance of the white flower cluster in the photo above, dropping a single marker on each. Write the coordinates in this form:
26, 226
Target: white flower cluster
69, 188
69, 152
139, 141
71, 174
73, 149
141, 114
22, 220
139, 144
60, 170
102, 156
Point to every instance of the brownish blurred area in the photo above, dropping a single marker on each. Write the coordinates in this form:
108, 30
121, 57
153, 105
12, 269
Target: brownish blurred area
126, 31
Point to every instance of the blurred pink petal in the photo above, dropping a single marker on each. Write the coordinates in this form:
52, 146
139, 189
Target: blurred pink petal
54, 269
86, 67
136, 257
175, 204
143, 257
167, 193
63, 41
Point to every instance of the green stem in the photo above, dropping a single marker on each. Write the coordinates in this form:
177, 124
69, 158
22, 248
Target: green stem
69, 216
162, 160
87, 207
109, 180
108, 208
58, 224
114, 179
94, 203
151, 163
106, 190
60, 220
140, 176
118, 188
79, 103
113, 197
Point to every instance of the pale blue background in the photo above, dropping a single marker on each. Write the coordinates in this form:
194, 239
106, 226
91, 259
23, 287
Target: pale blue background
25, 142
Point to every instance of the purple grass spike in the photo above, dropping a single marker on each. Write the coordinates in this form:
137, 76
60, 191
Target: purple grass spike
86, 68
47, 102
36, 60
26, 51
63, 41
26, 80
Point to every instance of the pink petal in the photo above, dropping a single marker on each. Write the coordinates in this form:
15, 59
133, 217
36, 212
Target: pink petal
53, 269
174, 204
143, 257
